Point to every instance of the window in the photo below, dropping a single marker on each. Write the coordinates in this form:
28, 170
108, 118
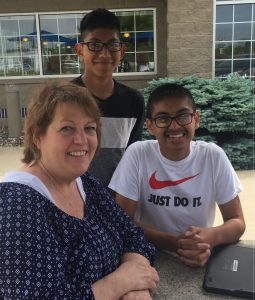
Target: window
18, 46
58, 36
137, 32
235, 38
43, 44
23, 112
3, 113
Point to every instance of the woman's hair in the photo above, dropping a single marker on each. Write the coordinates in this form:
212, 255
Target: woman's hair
41, 111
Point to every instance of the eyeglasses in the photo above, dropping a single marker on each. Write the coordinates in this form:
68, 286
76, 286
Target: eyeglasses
96, 46
166, 121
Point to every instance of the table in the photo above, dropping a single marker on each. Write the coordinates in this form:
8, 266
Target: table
179, 282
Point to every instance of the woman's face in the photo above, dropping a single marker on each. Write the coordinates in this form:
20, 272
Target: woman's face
70, 142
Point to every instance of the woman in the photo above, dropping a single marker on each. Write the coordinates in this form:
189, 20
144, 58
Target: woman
61, 234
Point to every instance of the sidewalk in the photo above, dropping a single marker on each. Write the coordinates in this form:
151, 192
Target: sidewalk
10, 160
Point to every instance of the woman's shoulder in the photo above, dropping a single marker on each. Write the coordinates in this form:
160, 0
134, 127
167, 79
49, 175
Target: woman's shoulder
89, 180
12, 187
14, 193
96, 193
92, 185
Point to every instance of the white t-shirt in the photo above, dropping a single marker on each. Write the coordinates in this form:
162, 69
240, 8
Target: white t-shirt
173, 195
35, 183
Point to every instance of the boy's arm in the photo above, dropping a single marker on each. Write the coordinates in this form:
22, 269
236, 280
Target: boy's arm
160, 239
128, 205
195, 251
234, 224
230, 231
194, 247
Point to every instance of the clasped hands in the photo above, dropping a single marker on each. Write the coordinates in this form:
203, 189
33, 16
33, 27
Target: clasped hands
194, 246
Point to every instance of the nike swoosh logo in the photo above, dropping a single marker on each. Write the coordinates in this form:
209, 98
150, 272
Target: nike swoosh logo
158, 184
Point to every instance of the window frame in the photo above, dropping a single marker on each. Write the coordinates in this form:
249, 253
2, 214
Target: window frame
39, 47
251, 59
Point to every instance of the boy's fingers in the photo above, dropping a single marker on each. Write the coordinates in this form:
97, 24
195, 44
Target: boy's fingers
193, 246
192, 230
195, 258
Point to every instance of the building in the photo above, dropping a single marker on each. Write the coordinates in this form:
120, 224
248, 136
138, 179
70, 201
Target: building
174, 38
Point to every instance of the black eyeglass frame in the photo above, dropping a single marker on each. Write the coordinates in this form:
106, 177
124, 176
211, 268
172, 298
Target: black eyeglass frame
173, 118
102, 45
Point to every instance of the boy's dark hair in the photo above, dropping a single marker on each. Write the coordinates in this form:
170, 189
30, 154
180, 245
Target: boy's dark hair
168, 90
99, 18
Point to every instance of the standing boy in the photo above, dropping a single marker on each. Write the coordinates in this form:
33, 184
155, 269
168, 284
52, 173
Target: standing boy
170, 186
122, 107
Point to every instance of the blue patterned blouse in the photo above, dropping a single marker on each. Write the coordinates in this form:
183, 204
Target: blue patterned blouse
47, 254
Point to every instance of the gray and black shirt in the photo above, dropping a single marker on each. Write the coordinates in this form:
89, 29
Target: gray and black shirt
122, 124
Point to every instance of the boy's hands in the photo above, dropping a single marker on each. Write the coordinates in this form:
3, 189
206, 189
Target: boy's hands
195, 245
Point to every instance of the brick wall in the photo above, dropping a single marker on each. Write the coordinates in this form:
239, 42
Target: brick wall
190, 38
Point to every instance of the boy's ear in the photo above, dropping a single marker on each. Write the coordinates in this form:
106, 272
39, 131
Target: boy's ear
197, 119
78, 50
122, 51
150, 126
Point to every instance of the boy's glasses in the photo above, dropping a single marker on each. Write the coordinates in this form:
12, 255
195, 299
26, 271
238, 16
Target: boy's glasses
166, 121
98, 46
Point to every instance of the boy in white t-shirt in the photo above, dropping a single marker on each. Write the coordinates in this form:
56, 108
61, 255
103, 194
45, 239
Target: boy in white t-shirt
170, 186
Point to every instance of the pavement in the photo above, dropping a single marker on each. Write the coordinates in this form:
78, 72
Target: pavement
10, 160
